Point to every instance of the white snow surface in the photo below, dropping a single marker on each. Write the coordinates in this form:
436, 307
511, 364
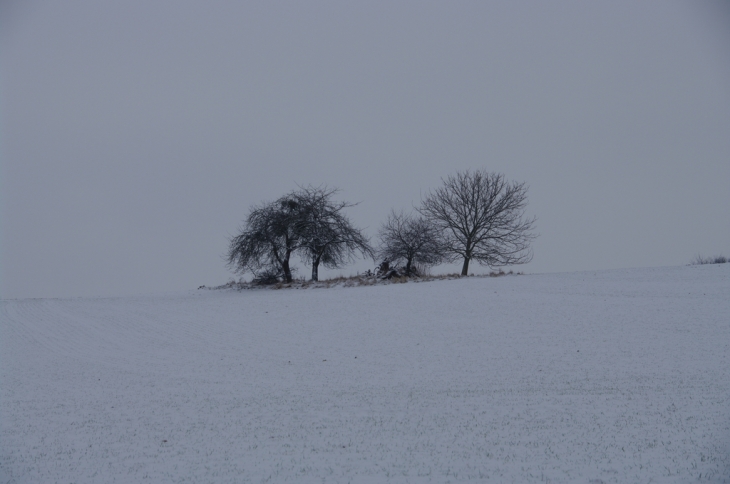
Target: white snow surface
592, 377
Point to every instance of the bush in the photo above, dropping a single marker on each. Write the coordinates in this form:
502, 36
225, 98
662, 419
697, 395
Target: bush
267, 277
718, 259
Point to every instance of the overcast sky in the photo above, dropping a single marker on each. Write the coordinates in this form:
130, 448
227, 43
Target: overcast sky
135, 135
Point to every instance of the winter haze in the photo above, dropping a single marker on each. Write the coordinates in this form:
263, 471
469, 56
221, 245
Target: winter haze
136, 135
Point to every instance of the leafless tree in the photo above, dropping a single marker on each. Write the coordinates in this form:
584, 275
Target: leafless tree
409, 239
482, 217
267, 240
306, 222
326, 234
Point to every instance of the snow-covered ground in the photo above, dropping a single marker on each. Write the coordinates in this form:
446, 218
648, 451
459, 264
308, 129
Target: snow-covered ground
614, 376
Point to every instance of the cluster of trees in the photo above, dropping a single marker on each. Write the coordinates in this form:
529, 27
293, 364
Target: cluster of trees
474, 215
306, 222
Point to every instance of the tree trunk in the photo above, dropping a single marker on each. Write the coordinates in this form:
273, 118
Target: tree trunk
315, 269
408, 267
465, 267
287, 271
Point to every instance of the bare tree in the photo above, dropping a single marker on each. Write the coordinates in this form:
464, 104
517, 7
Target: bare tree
267, 240
481, 216
326, 235
405, 238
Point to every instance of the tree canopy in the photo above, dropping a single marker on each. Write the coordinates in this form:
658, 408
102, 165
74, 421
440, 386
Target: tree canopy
306, 222
326, 234
410, 240
267, 240
482, 217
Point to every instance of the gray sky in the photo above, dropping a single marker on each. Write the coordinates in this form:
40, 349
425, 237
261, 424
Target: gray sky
135, 135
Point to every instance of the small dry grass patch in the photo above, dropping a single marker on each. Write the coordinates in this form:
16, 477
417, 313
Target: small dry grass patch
352, 281
717, 259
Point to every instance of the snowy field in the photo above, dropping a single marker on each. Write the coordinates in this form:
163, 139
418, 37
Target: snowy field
593, 377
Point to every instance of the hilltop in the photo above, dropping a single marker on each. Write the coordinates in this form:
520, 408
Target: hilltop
606, 376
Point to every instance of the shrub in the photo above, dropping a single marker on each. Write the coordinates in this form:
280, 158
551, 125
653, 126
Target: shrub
267, 277
699, 260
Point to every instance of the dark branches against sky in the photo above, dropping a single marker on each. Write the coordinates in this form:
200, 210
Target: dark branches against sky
482, 217
326, 234
307, 222
267, 241
410, 239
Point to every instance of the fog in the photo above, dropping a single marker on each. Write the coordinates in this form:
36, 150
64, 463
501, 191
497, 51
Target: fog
135, 136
